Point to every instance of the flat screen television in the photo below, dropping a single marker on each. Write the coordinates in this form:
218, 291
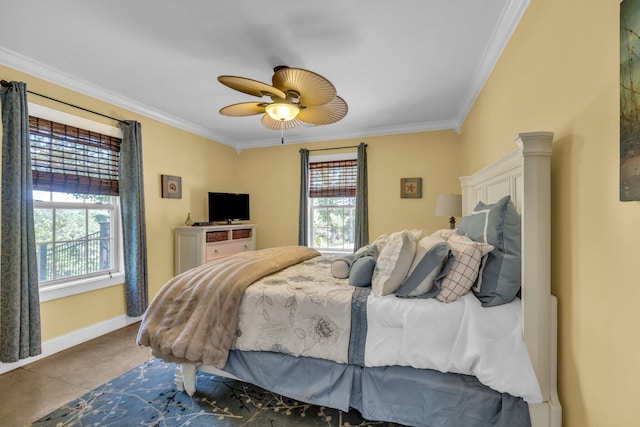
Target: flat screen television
228, 207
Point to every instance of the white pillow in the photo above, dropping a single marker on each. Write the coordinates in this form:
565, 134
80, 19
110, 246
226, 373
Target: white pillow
467, 259
380, 242
393, 263
418, 233
444, 233
340, 268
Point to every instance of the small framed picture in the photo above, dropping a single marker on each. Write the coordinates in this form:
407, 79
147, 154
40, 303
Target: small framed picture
411, 188
171, 187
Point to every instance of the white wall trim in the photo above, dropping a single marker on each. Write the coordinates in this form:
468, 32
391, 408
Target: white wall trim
74, 338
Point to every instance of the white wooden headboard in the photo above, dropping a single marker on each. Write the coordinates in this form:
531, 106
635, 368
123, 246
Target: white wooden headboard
524, 174
490, 184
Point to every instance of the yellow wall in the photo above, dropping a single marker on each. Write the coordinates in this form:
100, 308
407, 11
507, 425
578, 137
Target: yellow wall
273, 176
166, 151
62, 316
560, 72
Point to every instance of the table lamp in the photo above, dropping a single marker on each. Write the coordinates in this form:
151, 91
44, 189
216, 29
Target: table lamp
449, 205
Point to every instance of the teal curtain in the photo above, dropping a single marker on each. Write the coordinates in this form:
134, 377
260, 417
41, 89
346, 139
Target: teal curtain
19, 293
133, 219
303, 221
361, 237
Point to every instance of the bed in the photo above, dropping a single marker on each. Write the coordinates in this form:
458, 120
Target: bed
364, 348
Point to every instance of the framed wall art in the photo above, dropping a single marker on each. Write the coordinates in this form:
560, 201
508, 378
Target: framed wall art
411, 188
629, 100
171, 187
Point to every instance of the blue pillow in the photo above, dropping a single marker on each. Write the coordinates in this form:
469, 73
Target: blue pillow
362, 271
474, 226
501, 276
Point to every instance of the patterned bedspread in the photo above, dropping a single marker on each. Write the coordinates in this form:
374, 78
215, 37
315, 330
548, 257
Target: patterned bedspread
302, 311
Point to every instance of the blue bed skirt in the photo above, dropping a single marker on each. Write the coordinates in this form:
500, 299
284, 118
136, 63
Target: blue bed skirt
414, 397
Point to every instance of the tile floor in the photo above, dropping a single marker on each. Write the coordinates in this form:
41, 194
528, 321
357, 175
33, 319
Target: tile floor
34, 390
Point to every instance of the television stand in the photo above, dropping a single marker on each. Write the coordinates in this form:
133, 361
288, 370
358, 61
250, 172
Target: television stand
194, 246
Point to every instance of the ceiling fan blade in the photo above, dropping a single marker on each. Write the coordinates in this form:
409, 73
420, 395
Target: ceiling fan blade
251, 87
243, 109
314, 89
270, 123
324, 114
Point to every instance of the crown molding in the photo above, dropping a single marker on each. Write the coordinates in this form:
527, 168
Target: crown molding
42, 71
364, 133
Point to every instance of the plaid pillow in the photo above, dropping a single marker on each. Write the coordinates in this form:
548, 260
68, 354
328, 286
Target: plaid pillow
467, 261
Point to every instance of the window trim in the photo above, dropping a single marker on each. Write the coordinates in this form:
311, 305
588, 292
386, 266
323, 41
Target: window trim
88, 284
77, 286
326, 158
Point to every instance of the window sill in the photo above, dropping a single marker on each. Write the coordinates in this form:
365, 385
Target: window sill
324, 252
63, 290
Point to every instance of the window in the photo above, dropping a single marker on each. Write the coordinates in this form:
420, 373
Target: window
332, 202
75, 235
76, 207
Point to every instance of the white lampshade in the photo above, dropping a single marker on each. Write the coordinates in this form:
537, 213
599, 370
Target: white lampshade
449, 205
282, 112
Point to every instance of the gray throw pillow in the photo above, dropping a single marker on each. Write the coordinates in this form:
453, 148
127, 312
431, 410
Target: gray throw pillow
362, 271
368, 250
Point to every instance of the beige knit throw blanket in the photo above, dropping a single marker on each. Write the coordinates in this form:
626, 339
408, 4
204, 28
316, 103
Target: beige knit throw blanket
194, 316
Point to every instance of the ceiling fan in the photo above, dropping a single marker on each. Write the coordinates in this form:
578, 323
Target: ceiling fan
297, 96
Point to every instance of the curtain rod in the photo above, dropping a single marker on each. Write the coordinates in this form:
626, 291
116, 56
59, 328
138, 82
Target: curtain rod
6, 84
336, 148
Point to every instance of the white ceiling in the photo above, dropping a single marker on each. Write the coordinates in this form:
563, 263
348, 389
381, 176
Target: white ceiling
401, 66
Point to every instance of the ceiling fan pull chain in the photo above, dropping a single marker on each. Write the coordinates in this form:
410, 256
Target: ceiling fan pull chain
282, 138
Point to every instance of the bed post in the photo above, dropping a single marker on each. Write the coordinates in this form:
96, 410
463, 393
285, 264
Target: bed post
538, 311
185, 377
536, 244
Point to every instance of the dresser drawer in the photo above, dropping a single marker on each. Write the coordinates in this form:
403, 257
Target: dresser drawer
218, 250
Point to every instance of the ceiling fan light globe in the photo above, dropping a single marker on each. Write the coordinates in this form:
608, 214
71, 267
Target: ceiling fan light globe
282, 112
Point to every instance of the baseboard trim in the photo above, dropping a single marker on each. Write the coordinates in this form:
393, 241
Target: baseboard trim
74, 338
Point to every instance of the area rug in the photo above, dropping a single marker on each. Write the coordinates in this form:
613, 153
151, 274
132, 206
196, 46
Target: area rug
147, 396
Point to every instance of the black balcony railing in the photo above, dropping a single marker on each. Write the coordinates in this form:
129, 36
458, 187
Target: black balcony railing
86, 255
